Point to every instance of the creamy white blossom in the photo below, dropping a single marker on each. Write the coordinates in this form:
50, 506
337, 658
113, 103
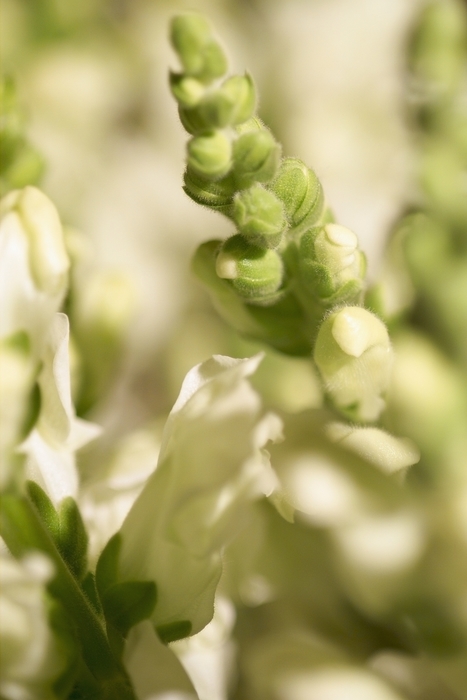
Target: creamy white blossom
210, 468
51, 446
30, 656
154, 670
33, 264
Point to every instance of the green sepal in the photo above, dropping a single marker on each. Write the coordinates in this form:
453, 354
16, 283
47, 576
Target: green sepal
256, 273
107, 565
217, 195
127, 603
298, 187
349, 294
193, 120
188, 91
209, 155
259, 216
231, 104
241, 91
174, 631
256, 156
316, 279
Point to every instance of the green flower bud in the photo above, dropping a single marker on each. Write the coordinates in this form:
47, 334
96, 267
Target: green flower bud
300, 190
200, 54
259, 216
256, 158
330, 264
281, 325
187, 90
231, 104
256, 273
253, 124
216, 195
354, 355
210, 155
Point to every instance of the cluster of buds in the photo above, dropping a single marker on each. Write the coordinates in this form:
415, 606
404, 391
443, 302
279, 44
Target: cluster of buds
286, 263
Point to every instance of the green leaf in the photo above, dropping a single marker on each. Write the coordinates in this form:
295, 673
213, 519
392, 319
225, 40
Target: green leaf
88, 584
73, 538
127, 603
66, 527
23, 530
107, 565
174, 631
45, 508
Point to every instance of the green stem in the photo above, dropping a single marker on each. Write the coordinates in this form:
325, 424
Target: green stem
23, 532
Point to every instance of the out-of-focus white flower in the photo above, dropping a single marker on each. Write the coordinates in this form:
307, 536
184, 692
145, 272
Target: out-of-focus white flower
388, 453
301, 666
339, 682
413, 675
377, 554
50, 447
33, 264
155, 671
210, 468
30, 657
106, 499
208, 655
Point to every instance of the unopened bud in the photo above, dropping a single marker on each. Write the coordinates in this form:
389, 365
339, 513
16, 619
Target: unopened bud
354, 355
256, 158
216, 194
331, 266
210, 155
256, 273
301, 192
39, 222
259, 216
187, 90
234, 102
199, 52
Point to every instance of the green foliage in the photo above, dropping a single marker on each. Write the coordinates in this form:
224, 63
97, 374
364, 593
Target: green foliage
65, 526
20, 164
127, 603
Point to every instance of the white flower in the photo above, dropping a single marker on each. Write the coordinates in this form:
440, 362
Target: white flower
30, 657
51, 446
154, 670
210, 468
208, 655
33, 264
